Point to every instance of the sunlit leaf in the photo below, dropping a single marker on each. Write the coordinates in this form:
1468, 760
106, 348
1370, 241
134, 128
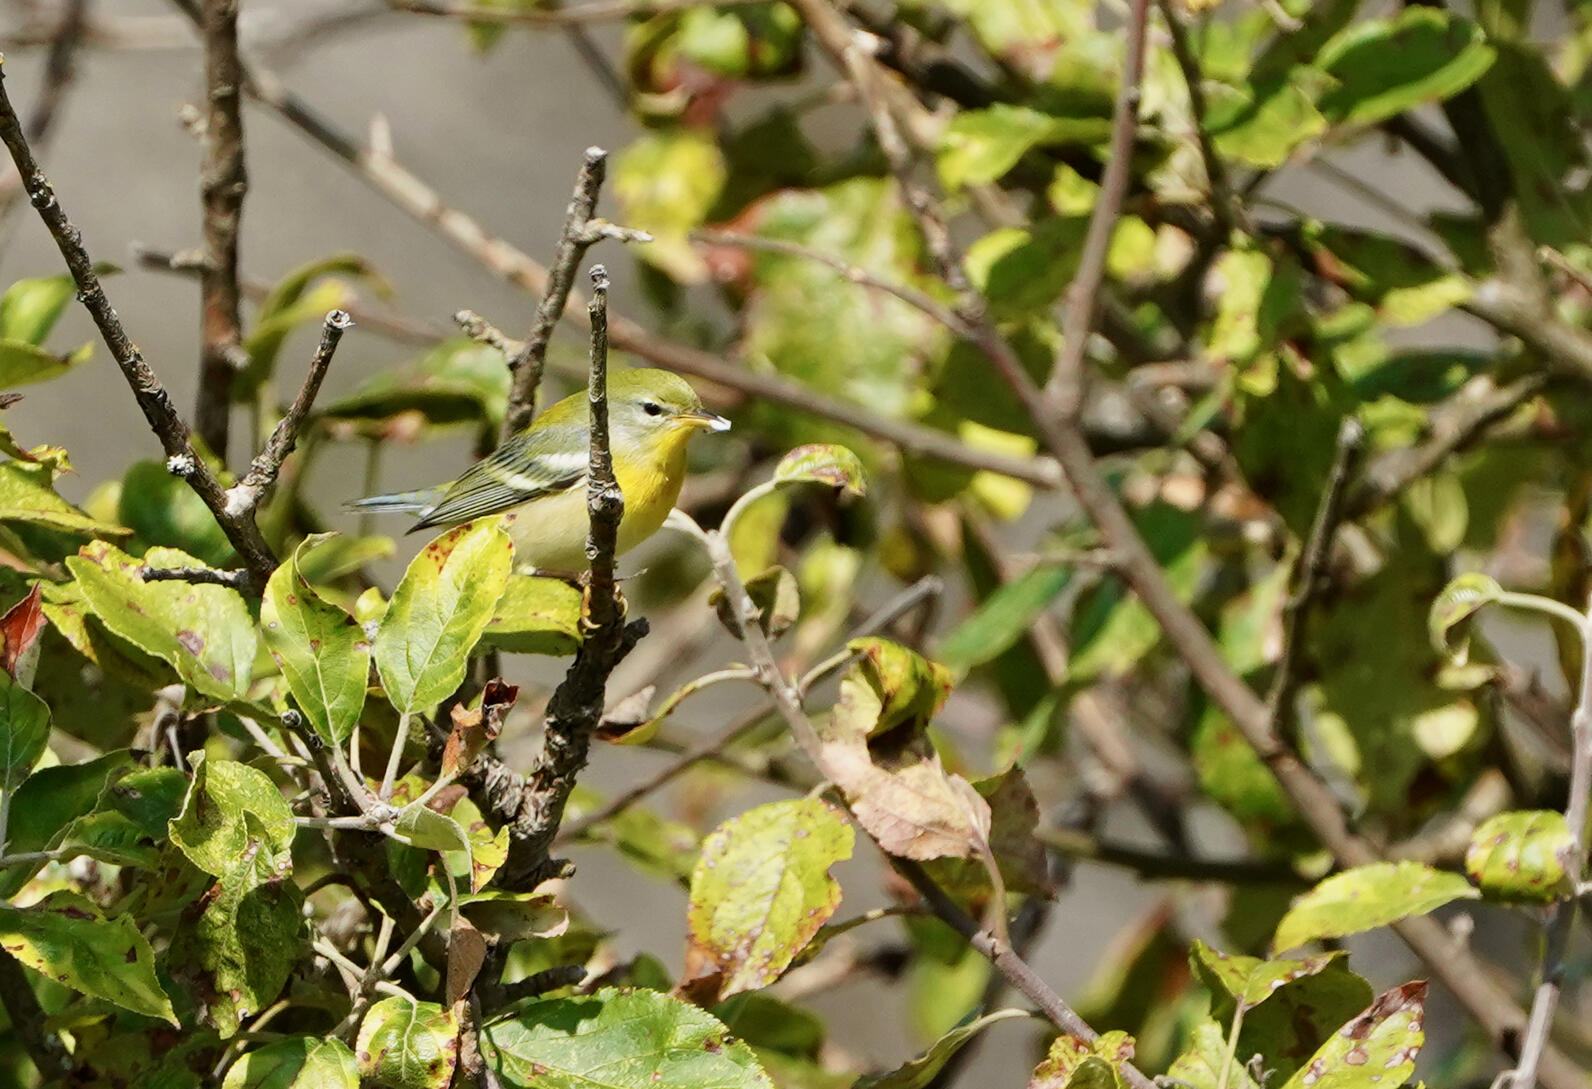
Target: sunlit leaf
823, 463
1522, 855
298, 1062
321, 650
1366, 897
762, 888
918, 1072
536, 616
1460, 600
1384, 67
407, 1044
1385, 1039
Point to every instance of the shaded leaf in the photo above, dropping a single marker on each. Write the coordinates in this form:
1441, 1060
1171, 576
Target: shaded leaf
66, 938
1002, 618
1075, 1062
536, 615
161, 509
438, 612
620, 1040
1384, 67
1522, 855
1367, 897
1460, 600
823, 463
761, 888
22, 363
918, 1072
46, 805
24, 732
30, 308
776, 596
459, 382
322, 652
981, 146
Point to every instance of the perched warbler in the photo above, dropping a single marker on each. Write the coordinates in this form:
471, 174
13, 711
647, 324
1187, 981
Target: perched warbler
537, 479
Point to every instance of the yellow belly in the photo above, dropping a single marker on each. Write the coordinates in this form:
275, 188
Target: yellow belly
549, 534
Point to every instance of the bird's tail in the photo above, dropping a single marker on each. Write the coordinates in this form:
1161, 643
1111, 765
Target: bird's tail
420, 502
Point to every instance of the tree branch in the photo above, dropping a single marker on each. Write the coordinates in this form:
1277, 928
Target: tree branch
223, 181
528, 361
60, 72
147, 389
578, 701
244, 496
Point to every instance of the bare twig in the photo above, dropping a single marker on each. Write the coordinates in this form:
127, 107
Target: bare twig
1166, 867
237, 578
30, 1021
246, 494
577, 703
1222, 207
527, 363
151, 395
1064, 391
1309, 574
480, 330
1562, 922
223, 181
598, 11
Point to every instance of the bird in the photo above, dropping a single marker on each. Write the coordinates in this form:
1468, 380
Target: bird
536, 481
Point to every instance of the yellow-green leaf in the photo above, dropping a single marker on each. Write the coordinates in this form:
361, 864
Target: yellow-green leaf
1367, 897
321, 650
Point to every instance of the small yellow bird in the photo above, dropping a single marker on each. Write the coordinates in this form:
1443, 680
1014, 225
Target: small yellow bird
537, 480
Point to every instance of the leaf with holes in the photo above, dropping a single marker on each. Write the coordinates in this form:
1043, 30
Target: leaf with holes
620, 1040
321, 650
1367, 897
1377, 1047
204, 632
438, 612
405, 1044
762, 888
66, 938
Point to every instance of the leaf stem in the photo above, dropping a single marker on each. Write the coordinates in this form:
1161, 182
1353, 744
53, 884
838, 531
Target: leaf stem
395, 757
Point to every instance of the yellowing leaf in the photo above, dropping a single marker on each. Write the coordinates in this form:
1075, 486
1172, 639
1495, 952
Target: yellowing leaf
321, 650
1367, 897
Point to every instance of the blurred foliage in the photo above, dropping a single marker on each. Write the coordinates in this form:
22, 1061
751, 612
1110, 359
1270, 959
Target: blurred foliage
180, 838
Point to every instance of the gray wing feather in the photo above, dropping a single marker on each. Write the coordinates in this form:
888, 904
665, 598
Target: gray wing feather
505, 479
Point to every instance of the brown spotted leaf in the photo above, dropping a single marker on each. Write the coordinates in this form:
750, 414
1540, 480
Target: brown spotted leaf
1063, 1064
204, 632
1376, 1048
761, 889
823, 463
406, 1044
1521, 855
477, 726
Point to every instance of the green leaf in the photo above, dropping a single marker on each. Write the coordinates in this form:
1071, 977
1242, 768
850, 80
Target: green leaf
1024, 271
162, 509
438, 612
66, 938
1383, 1042
128, 826
24, 732
425, 827
757, 41
47, 803
300, 298
980, 146
204, 632
666, 182
1367, 897
322, 652
459, 382
1522, 855
30, 308
213, 829
1262, 124
917, 1072
405, 1044
1249, 981
299, 1062
1460, 600
1203, 1064
1384, 67
761, 889
27, 494
823, 463
620, 1040
776, 596
1002, 618
536, 616
22, 363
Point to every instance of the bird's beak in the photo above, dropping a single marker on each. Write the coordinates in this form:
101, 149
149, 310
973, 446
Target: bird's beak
707, 421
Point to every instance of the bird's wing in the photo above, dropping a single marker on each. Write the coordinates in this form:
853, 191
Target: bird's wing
520, 470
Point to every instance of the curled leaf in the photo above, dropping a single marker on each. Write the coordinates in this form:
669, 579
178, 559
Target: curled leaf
823, 463
1460, 600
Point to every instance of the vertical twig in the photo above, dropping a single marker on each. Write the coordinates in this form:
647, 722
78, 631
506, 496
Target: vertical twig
1064, 391
147, 389
246, 494
528, 363
223, 182
60, 71
577, 703
1562, 921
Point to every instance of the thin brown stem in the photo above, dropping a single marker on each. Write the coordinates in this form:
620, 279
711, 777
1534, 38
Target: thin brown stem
528, 362
597, 11
223, 181
167, 424
244, 496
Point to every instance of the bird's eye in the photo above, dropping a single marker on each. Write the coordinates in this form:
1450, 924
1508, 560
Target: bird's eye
652, 408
